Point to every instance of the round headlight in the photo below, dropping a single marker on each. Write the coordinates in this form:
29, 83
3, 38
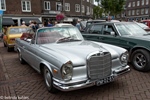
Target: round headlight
124, 57
67, 71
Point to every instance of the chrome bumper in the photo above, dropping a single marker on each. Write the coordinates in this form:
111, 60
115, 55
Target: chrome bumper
88, 83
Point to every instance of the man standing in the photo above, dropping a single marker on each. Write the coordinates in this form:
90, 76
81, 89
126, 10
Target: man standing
23, 24
78, 25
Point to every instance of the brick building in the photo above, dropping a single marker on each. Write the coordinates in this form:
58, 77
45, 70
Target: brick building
137, 10
44, 10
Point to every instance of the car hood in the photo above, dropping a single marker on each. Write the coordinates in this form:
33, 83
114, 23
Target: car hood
76, 52
139, 37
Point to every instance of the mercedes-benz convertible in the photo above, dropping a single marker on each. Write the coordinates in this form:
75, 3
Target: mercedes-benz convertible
67, 61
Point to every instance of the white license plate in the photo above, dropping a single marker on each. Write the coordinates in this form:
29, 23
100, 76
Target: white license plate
105, 80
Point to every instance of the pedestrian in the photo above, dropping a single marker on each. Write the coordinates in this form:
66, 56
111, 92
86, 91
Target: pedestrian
49, 24
23, 24
35, 26
78, 25
31, 23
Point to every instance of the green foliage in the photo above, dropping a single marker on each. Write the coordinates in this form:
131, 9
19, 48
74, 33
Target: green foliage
113, 7
97, 12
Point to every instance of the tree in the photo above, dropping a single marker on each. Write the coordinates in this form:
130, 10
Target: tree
97, 12
113, 7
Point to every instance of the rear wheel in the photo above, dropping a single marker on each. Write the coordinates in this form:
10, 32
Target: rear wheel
22, 61
9, 49
141, 60
48, 80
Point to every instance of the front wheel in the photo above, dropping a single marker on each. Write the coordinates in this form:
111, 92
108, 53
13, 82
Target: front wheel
22, 61
141, 60
48, 80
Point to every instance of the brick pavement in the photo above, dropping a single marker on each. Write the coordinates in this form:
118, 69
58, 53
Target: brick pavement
17, 80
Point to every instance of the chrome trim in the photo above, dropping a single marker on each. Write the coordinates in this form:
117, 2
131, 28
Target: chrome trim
88, 83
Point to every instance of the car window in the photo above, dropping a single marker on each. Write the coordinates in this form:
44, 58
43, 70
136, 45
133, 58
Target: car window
96, 29
18, 30
108, 29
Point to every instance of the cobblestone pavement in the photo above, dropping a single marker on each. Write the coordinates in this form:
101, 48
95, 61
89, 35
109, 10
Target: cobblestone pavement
19, 81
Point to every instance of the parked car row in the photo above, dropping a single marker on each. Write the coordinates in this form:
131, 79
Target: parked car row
69, 60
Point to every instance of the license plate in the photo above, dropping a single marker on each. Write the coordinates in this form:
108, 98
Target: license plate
105, 80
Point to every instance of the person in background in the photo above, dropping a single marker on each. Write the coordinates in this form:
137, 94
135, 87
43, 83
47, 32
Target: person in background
78, 25
31, 23
35, 26
23, 24
49, 24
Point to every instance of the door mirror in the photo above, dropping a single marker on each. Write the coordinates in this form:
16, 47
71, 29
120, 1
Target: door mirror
112, 33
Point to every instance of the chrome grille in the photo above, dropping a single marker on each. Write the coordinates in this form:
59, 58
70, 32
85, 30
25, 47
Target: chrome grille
99, 65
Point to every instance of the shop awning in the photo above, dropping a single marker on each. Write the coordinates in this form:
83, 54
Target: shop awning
7, 21
27, 20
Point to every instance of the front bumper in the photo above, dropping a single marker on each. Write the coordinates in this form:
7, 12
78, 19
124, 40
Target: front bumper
88, 83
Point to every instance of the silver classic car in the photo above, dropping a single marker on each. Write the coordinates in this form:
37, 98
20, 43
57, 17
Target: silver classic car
67, 61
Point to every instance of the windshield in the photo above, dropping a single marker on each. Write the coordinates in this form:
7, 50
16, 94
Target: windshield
130, 29
143, 25
54, 34
19, 30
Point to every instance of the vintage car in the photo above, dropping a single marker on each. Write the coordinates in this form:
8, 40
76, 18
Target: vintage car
68, 62
128, 35
10, 35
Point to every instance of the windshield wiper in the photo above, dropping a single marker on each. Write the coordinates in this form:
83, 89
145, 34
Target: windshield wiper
64, 39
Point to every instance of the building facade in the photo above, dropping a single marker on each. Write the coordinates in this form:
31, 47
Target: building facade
45, 10
137, 10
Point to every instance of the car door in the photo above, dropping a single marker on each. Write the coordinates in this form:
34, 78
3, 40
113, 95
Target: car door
110, 35
92, 33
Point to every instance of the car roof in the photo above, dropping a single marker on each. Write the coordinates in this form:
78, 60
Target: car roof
63, 25
96, 20
113, 22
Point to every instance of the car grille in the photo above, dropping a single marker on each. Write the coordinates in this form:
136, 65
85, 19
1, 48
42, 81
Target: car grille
99, 65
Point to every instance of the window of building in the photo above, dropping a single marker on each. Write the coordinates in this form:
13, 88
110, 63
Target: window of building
147, 2
133, 12
138, 3
137, 12
129, 12
67, 6
87, 10
77, 8
129, 5
47, 5
83, 9
146, 11
58, 6
91, 11
26, 6
142, 2
2, 5
133, 4
142, 11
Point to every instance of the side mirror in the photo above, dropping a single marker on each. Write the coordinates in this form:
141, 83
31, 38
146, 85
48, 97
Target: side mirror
112, 33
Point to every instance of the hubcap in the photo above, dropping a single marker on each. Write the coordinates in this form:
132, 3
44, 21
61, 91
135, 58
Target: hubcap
47, 77
140, 60
19, 54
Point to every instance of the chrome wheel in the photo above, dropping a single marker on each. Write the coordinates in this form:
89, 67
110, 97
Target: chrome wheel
20, 58
141, 60
48, 80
